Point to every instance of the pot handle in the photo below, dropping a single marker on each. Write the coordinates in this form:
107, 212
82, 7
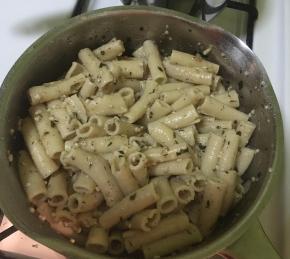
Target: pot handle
254, 244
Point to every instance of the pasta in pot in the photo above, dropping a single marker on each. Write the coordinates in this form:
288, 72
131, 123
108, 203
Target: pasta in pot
139, 153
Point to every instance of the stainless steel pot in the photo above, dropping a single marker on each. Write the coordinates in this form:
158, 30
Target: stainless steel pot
53, 53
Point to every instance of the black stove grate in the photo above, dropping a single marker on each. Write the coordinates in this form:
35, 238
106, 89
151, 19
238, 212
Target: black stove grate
249, 8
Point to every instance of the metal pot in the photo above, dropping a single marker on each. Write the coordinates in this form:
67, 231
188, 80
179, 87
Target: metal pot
52, 54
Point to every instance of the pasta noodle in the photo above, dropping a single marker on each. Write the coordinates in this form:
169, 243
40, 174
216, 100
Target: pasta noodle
116, 243
182, 118
175, 167
131, 204
172, 243
103, 144
78, 202
49, 135
47, 92
123, 175
154, 62
185, 59
145, 220
57, 189
217, 109
90, 163
244, 159
188, 74
111, 50
60, 118
45, 165
84, 184
98, 240
211, 205
170, 225
138, 166
32, 182
167, 201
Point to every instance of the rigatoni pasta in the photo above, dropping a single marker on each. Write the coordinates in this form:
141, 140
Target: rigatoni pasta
135, 153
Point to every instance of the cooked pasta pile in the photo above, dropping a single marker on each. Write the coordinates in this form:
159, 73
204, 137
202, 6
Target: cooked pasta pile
137, 153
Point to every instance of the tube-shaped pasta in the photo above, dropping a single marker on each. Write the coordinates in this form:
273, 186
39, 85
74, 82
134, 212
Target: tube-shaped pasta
31, 180
210, 125
111, 50
145, 220
167, 201
132, 68
229, 151
116, 243
103, 144
78, 202
90, 130
244, 159
170, 97
245, 130
47, 92
174, 167
139, 53
163, 134
139, 108
108, 104
49, 135
90, 62
90, 164
131, 204
61, 118
154, 62
76, 108
191, 96
187, 134
172, 243
188, 74
123, 175
116, 126
183, 192
88, 89
137, 164
98, 240
210, 157
230, 98
84, 184
45, 165
159, 154
170, 225
230, 179
211, 205
75, 69
215, 108
57, 189
182, 118
173, 86
128, 95
185, 59
157, 110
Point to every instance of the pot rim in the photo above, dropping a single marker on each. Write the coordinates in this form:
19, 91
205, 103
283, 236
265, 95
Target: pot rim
229, 236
